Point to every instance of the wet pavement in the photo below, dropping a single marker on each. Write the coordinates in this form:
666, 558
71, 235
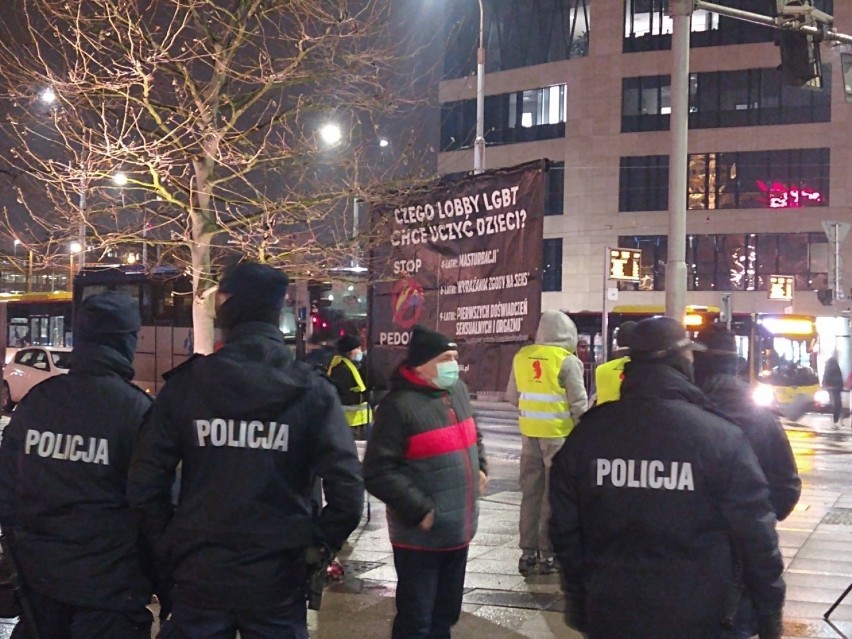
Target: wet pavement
816, 541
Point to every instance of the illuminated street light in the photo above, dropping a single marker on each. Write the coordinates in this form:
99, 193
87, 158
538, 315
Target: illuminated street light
331, 134
48, 96
119, 179
383, 142
75, 247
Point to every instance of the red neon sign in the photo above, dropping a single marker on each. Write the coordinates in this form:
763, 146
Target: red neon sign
781, 196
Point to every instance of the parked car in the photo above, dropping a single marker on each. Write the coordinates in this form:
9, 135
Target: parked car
30, 366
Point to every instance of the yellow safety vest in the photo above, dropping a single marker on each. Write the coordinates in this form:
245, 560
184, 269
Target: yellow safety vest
544, 408
359, 414
608, 378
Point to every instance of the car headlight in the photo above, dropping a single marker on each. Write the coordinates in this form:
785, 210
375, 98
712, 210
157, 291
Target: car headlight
822, 397
763, 396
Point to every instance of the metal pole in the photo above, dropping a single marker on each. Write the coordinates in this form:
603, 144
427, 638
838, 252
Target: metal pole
826, 33
81, 232
681, 13
145, 242
839, 293
604, 311
479, 143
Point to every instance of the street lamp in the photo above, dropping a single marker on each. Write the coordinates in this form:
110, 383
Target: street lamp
48, 96
73, 249
120, 178
479, 143
331, 134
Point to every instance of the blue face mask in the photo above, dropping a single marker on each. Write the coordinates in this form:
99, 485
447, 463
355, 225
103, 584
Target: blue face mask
448, 374
358, 357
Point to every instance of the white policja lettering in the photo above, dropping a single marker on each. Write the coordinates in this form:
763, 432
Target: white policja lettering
644, 473
231, 433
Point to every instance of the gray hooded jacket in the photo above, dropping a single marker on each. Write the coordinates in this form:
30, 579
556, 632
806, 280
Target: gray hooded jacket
557, 329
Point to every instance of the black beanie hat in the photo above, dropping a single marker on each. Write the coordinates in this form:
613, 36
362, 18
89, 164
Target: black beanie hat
348, 343
110, 319
625, 333
657, 338
426, 344
256, 294
718, 340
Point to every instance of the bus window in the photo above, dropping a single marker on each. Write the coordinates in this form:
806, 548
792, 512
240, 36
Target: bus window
57, 330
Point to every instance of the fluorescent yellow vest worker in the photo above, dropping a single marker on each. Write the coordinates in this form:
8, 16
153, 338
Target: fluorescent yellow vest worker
544, 408
359, 414
608, 377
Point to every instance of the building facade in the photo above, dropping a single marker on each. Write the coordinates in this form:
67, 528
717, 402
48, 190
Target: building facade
586, 83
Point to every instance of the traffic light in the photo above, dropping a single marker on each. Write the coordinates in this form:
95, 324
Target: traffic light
825, 296
800, 59
800, 56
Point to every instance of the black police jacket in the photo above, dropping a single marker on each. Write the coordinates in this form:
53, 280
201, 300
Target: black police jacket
649, 496
63, 478
252, 428
732, 396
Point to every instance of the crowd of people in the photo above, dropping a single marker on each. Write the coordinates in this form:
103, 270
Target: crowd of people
227, 493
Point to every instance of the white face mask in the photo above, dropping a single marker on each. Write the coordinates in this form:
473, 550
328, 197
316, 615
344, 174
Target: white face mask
448, 374
358, 357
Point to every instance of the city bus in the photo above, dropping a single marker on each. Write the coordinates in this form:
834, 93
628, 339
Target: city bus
589, 323
781, 351
37, 319
165, 306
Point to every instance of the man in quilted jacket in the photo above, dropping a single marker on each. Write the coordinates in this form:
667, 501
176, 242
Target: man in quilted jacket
426, 461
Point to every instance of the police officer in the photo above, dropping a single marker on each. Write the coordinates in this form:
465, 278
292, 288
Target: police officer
63, 478
252, 427
609, 375
651, 495
345, 373
546, 384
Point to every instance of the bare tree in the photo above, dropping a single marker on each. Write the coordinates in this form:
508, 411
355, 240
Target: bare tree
221, 117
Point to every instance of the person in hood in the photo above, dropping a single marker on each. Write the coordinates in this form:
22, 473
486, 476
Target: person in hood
653, 498
546, 384
64, 463
251, 427
426, 461
716, 373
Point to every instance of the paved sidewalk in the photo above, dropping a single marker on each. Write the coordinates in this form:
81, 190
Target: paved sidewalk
816, 541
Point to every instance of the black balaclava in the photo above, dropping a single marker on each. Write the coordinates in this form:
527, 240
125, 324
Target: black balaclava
110, 319
256, 295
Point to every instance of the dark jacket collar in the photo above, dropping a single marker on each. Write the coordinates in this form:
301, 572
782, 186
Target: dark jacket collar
406, 379
729, 393
95, 359
654, 380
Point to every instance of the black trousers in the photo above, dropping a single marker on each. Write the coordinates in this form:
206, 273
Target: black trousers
836, 403
429, 590
58, 620
288, 620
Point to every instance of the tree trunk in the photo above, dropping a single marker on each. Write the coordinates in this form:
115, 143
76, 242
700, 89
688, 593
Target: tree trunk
202, 273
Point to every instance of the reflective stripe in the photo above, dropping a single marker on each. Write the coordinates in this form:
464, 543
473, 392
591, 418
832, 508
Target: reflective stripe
543, 397
355, 409
539, 415
357, 415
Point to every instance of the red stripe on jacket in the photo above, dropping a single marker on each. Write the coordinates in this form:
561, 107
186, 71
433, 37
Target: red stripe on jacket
448, 439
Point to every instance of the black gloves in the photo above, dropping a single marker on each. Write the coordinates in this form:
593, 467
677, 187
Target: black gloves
770, 626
